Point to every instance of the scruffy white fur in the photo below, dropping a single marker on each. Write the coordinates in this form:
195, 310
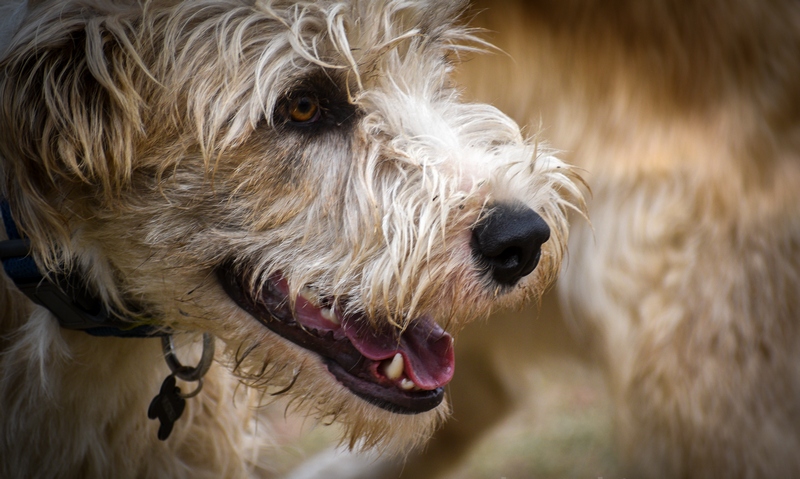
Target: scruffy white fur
143, 145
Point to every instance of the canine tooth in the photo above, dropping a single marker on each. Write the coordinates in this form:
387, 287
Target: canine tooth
330, 315
407, 384
308, 294
395, 369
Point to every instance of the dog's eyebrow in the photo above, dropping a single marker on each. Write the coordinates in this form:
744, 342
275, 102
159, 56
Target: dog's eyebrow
322, 80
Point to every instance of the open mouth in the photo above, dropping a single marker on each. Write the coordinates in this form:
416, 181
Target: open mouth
402, 373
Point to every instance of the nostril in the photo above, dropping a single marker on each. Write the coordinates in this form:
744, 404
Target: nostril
507, 242
509, 258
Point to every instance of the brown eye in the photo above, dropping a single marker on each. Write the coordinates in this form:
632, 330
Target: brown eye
304, 109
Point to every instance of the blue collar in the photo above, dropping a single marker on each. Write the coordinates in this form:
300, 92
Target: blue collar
64, 295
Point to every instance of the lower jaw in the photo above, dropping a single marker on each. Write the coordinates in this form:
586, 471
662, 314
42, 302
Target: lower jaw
393, 401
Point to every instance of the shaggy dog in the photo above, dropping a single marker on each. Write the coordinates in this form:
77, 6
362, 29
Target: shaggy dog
685, 117
298, 180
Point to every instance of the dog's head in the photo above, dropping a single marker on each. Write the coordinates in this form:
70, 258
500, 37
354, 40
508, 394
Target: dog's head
298, 178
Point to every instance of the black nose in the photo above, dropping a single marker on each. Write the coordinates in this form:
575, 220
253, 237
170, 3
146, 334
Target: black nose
508, 242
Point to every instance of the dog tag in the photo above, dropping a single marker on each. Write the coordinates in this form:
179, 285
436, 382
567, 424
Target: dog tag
167, 407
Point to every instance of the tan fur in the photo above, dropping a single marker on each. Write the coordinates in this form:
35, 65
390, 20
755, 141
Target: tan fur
684, 115
140, 146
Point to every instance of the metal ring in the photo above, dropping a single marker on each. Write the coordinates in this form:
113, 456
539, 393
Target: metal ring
187, 373
195, 392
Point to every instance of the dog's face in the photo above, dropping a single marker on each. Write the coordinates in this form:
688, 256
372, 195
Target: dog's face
297, 178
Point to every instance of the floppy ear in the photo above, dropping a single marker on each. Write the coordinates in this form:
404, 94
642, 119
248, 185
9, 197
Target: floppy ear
69, 117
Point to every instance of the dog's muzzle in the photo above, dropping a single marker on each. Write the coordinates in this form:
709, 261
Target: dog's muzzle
507, 242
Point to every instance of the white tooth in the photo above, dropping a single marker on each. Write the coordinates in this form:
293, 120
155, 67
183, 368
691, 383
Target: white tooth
394, 370
407, 384
308, 294
330, 315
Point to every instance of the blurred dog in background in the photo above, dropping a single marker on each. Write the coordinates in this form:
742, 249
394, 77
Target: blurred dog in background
685, 116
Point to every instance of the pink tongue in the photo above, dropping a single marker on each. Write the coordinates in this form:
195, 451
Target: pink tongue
426, 348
